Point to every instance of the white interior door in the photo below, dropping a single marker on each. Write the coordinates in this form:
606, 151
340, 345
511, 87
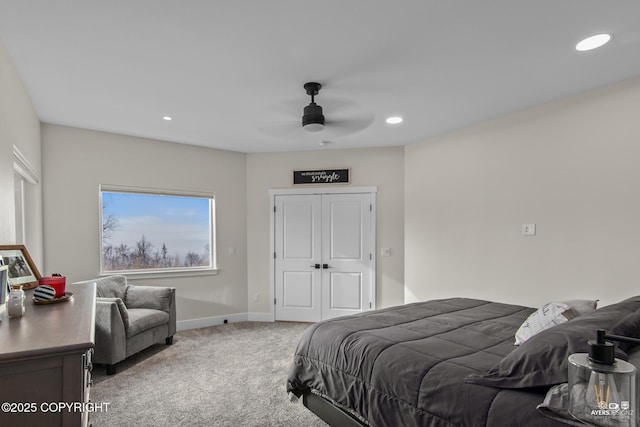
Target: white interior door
346, 254
323, 256
298, 249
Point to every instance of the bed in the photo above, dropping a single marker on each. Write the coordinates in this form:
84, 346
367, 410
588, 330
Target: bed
449, 362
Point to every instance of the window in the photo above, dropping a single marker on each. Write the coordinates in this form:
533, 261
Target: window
25, 180
156, 231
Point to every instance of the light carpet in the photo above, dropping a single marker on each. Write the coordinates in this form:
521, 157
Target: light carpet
227, 375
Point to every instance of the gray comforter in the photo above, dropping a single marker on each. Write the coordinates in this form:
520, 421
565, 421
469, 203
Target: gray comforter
406, 366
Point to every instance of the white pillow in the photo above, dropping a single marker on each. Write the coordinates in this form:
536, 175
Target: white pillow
551, 314
582, 306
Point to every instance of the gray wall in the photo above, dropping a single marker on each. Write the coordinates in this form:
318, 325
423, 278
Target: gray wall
381, 167
77, 161
19, 126
571, 167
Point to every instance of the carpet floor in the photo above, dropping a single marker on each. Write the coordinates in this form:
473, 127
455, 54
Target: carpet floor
227, 375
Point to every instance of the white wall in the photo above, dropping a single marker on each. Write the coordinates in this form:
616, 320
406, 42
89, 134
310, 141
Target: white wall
571, 167
381, 167
19, 126
77, 161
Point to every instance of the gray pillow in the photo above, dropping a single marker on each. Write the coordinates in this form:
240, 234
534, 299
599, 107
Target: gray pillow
111, 286
542, 359
634, 356
627, 327
154, 297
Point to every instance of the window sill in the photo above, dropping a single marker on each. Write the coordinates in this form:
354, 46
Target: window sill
151, 274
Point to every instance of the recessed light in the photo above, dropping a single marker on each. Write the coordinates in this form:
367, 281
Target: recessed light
593, 42
167, 118
394, 120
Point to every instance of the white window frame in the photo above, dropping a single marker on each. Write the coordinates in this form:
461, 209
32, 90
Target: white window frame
23, 173
156, 272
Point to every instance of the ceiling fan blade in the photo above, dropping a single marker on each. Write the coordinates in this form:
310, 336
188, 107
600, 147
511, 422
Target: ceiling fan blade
285, 131
286, 110
344, 127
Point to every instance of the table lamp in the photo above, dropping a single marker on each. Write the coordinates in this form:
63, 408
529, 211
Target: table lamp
602, 388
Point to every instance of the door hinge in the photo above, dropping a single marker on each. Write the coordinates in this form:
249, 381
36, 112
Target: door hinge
274, 208
370, 306
370, 208
274, 301
370, 256
275, 255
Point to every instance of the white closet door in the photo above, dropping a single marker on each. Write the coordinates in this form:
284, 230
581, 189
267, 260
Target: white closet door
298, 250
346, 254
323, 263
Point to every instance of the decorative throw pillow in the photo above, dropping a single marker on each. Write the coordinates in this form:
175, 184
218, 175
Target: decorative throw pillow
44, 293
551, 314
628, 327
542, 360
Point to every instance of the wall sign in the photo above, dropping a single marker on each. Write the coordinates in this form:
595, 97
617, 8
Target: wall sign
324, 176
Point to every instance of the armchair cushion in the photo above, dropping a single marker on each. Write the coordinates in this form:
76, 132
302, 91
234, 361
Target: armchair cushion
142, 319
111, 287
154, 297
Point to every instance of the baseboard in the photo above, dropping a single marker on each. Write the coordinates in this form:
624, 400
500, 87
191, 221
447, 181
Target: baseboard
260, 317
203, 322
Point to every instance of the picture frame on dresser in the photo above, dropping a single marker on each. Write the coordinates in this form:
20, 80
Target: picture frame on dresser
21, 269
4, 284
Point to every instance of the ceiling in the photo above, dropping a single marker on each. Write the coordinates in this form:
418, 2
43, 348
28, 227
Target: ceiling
231, 73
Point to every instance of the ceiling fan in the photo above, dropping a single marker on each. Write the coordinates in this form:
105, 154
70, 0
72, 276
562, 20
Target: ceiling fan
344, 117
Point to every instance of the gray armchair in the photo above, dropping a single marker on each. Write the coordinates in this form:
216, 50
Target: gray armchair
130, 318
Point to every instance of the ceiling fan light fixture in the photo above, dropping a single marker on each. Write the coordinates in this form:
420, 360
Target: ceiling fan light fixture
394, 120
313, 127
312, 118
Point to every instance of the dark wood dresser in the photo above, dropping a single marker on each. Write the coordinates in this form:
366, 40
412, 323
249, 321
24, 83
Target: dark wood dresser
45, 361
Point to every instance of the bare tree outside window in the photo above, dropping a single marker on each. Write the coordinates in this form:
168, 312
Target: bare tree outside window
148, 231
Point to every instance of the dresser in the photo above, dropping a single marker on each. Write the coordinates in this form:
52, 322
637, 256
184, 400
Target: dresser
45, 361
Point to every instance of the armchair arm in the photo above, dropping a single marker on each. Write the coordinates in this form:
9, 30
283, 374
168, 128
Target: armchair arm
155, 297
112, 320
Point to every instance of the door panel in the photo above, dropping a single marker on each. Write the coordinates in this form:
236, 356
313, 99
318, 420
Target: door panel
298, 230
298, 289
345, 222
346, 291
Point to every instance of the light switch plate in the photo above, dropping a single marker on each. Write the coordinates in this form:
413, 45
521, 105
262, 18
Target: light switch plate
528, 229
385, 251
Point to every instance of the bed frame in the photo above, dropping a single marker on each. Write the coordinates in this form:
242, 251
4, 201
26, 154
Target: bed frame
328, 412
